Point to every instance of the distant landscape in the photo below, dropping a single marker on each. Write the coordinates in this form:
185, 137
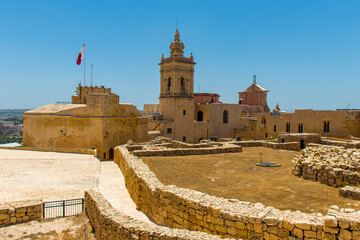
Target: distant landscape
11, 125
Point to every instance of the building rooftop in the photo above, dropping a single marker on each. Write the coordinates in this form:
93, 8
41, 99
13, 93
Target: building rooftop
54, 108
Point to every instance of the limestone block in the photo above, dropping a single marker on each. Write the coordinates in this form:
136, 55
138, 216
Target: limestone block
273, 237
270, 221
258, 228
25, 218
331, 230
230, 223
242, 233
231, 230
310, 234
272, 229
355, 234
331, 221
20, 210
345, 234
304, 225
344, 223
13, 220
354, 225
298, 233
4, 216
20, 214
288, 225
240, 225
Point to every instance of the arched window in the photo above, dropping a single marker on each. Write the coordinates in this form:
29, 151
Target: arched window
200, 116
169, 84
182, 83
225, 116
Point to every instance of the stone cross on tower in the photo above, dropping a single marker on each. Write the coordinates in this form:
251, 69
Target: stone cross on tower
254, 79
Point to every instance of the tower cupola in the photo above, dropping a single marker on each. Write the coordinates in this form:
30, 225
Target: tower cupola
177, 46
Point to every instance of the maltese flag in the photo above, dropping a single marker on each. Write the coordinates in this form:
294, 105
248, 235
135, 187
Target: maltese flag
81, 55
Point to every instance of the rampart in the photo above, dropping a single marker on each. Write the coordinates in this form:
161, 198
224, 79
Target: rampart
62, 150
334, 166
109, 223
18, 212
189, 209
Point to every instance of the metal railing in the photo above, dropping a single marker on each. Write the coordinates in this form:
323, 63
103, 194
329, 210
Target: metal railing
63, 208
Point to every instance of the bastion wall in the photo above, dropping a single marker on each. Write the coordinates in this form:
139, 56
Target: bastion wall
176, 207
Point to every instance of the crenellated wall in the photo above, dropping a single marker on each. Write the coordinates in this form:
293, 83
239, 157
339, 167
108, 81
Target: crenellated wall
18, 212
189, 209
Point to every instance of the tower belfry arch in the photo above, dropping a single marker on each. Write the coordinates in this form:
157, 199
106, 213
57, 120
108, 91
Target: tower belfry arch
177, 91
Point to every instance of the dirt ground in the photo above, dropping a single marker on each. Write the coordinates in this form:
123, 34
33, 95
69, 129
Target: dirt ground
235, 175
68, 228
47, 175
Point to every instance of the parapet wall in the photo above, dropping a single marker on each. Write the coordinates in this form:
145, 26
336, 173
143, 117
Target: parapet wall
18, 212
334, 166
293, 146
344, 143
188, 209
109, 223
225, 148
62, 150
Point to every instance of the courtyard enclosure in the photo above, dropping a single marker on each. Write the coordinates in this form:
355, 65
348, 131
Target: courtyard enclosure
183, 208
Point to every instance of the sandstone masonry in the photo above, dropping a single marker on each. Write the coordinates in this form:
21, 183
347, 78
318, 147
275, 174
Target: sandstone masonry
18, 212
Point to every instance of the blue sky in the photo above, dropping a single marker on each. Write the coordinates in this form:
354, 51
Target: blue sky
306, 53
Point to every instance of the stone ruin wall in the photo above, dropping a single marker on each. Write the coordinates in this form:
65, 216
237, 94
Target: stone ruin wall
350, 192
293, 146
19, 212
344, 144
334, 166
109, 223
189, 209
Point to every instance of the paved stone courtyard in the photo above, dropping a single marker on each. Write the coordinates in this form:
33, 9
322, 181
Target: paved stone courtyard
47, 175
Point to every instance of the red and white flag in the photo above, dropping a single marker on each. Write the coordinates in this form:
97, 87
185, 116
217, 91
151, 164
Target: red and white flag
81, 55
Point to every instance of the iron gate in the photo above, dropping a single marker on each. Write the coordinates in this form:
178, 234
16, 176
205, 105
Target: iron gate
63, 208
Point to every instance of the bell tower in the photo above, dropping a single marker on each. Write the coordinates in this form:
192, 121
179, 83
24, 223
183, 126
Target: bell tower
177, 92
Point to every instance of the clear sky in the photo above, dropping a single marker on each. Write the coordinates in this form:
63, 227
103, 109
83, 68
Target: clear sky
306, 53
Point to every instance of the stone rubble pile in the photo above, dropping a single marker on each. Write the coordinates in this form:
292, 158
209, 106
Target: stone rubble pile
334, 166
350, 192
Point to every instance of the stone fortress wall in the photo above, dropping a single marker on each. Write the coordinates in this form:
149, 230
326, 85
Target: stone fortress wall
189, 209
109, 223
18, 212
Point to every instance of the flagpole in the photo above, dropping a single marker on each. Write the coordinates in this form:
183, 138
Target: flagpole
84, 63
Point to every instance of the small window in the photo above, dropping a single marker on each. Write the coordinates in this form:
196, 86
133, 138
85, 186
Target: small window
263, 120
266, 135
169, 130
225, 117
300, 127
184, 112
287, 127
274, 128
104, 155
326, 126
182, 84
200, 116
184, 138
169, 84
